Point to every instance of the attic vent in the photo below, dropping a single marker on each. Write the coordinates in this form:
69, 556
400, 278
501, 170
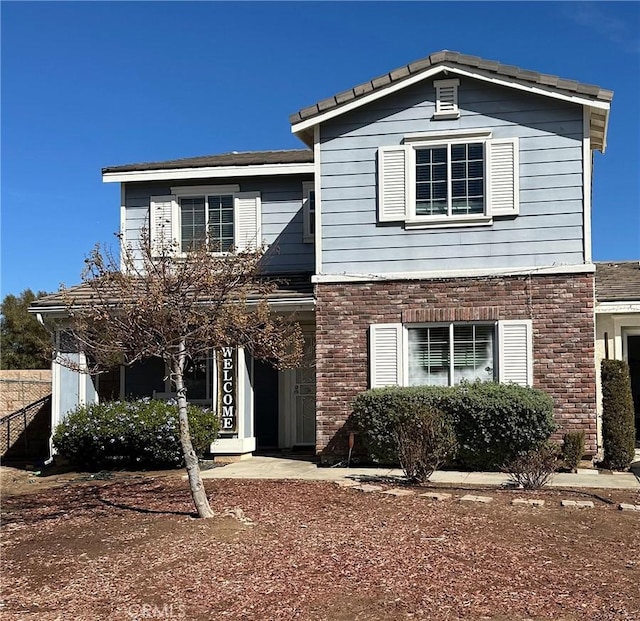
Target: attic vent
446, 99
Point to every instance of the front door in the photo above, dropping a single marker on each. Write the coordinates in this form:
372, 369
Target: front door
633, 358
304, 397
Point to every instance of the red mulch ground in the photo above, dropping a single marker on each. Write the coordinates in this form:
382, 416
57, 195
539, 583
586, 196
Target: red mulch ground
127, 548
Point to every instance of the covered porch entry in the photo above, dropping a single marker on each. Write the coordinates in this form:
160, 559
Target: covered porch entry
285, 403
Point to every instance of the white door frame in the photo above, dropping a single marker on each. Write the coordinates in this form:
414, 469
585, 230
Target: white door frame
626, 333
287, 416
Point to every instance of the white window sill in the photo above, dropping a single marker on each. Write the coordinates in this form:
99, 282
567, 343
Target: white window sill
444, 116
446, 222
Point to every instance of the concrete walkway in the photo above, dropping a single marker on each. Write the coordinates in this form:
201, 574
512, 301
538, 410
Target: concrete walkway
282, 468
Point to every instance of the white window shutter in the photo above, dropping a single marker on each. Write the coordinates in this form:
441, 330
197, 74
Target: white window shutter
393, 183
385, 354
516, 351
247, 221
504, 177
162, 224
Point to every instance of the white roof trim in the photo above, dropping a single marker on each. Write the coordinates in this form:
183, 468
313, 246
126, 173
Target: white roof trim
588, 268
632, 306
208, 172
538, 89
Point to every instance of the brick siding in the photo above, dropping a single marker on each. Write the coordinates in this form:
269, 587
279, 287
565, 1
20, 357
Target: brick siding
561, 307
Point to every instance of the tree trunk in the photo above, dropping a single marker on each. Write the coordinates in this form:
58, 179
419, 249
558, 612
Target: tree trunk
198, 492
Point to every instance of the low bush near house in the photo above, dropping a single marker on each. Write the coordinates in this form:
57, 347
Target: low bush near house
497, 422
572, 449
534, 468
424, 439
618, 425
131, 434
494, 423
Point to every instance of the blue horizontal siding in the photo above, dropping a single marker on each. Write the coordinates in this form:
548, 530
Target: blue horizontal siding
282, 227
548, 230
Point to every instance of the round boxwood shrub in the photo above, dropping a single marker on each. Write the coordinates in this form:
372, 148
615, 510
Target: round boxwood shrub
131, 434
618, 425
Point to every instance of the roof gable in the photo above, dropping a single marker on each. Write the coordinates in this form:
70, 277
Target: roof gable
597, 99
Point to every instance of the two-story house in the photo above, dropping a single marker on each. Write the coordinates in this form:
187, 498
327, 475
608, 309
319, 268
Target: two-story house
437, 228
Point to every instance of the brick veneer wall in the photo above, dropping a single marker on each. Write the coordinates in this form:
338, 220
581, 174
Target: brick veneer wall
561, 307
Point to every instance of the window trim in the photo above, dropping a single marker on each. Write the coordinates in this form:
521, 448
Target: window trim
450, 325
417, 142
396, 179
388, 355
308, 217
202, 191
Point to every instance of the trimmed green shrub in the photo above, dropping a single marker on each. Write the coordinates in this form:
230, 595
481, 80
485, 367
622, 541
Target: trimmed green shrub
424, 439
493, 423
497, 422
618, 425
534, 468
572, 449
131, 434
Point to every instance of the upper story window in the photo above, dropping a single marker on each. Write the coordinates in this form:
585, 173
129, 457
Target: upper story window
207, 221
219, 218
452, 178
308, 212
446, 99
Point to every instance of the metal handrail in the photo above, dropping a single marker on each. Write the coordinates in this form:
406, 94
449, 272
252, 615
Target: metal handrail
26, 407
24, 412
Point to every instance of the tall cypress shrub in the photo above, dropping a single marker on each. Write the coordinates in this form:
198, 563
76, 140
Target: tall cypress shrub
618, 430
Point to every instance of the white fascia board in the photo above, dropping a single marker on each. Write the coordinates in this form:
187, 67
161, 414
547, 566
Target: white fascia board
586, 182
317, 154
477, 273
123, 225
630, 307
298, 303
537, 89
209, 172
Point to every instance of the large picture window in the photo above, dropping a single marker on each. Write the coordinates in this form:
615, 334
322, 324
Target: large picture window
446, 355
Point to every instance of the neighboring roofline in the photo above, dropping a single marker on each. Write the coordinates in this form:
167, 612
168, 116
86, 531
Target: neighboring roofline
468, 66
207, 172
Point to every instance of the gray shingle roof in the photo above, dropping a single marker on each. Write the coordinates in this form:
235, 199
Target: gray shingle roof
618, 281
245, 158
289, 287
477, 65
457, 59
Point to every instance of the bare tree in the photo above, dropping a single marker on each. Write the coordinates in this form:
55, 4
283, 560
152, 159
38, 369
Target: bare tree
178, 308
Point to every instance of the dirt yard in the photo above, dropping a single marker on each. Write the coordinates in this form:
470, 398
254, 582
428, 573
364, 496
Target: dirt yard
127, 547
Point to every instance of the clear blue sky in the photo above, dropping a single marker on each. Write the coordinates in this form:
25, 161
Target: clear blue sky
92, 84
